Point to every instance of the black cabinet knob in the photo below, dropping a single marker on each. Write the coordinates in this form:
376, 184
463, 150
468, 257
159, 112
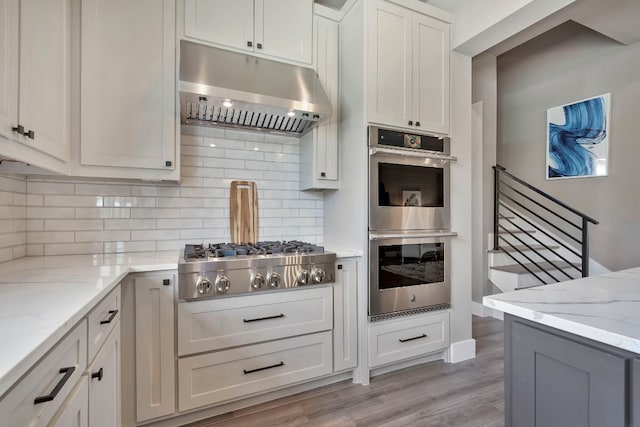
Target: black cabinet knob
168, 163
31, 134
322, 174
259, 45
97, 375
166, 282
19, 129
417, 123
249, 43
410, 122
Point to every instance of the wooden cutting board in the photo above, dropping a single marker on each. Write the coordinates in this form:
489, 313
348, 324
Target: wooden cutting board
244, 212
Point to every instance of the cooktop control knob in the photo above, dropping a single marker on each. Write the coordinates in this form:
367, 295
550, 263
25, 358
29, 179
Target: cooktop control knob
274, 280
303, 277
203, 285
257, 281
222, 284
317, 275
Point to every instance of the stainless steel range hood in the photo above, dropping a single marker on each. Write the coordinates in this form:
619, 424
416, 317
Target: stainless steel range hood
223, 88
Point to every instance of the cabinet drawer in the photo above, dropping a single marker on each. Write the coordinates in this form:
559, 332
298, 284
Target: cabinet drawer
216, 377
400, 339
228, 322
102, 320
55, 375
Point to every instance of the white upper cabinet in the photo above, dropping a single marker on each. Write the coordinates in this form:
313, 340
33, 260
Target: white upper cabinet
128, 89
408, 69
277, 29
35, 81
319, 148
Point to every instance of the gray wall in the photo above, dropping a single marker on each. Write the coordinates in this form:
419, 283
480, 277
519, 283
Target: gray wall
567, 64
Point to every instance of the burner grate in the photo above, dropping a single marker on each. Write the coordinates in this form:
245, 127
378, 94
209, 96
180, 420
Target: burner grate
226, 250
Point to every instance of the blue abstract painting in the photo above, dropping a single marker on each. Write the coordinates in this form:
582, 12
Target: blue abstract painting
578, 138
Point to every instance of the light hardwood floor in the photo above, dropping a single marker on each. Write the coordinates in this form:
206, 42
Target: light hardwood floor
434, 394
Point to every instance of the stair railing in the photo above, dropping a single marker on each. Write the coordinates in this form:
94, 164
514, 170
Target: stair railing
545, 208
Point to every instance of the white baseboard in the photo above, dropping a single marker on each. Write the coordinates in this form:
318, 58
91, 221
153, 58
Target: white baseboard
460, 351
478, 309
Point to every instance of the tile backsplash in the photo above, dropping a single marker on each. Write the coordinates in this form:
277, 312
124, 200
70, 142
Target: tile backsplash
80, 216
13, 213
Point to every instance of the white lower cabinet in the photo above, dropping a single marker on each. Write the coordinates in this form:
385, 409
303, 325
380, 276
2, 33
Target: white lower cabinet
345, 318
104, 383
216, 377
75, 410
400, 339
36, 398
216, 324
154, 346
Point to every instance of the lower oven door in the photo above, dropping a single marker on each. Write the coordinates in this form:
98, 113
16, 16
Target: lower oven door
408, 272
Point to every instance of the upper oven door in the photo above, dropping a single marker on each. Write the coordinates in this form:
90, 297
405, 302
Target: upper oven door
408, 192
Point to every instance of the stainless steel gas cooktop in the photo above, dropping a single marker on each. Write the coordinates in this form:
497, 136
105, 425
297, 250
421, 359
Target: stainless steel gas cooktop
224, 269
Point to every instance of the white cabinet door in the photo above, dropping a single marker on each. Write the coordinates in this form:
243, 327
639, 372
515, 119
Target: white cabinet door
9, 42
284, 29
278, 29
104, 384
225, 22
75, 410
390, 71
45, 75
128, 84
155, 337
345, 318
431, 74
319, 148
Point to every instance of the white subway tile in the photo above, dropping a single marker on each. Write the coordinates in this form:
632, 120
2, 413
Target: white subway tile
266, 147
72, 224
211, 132
291, 149
35, 250
223, 143
13, 184
281, 185
243, 154
216, 223
155, 234
103, 213
129, 202
72, 248
12, 239
6, 198
103, 189
171, 245
155, 213
36, 212
179, 202
243, 174
299, 204
191, 161
10, 212
307, 231
300, 222
36, 187
39, 237
191, 140
19, 225
19, 199
6, 226
191, 181
35, 200
200, 212
188, 171
35, 225
278, 213
198, 151
208, 235
273, 222
281, 157
117, 247
217, 183
67, 200
19, 251
102, 236
216, 203
243, 135
201, 192
222, 163
271, 204
129, 224
153, 191
179, 223
310, 213
6, 254
281, 194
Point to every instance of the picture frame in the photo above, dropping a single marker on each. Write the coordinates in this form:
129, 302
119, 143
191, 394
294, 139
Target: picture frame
411, 198
578, 139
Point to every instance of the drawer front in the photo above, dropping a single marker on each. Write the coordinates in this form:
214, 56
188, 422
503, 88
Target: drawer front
102, 320
55, 375
400, 339
228, 322
217, 377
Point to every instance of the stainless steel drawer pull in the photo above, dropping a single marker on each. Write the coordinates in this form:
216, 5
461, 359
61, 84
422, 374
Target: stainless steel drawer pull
49, 397
277, 316
111, 317
414, 338
251, 371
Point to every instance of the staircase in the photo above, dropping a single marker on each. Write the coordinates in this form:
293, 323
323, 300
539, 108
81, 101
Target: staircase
537, 239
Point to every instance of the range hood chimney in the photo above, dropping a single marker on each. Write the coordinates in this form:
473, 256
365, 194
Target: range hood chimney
223, 88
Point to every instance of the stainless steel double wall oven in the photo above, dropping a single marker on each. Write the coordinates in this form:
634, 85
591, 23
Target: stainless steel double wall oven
409, 221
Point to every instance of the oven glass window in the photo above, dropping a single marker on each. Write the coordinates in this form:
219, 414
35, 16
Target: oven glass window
404, 185
409, 265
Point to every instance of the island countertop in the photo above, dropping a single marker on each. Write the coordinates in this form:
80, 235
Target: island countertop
604, 308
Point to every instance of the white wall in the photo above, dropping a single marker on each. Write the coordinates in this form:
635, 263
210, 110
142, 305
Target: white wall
13, 212
564, 65
71, 216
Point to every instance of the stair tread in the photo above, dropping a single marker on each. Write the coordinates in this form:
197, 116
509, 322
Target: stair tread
515, 231
519, 269
521, 248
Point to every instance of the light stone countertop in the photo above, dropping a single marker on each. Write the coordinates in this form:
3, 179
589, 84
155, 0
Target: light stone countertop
343, 252
42, 298
604, 308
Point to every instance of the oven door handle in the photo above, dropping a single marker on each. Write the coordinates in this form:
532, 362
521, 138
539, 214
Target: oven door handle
411, 153
420, 235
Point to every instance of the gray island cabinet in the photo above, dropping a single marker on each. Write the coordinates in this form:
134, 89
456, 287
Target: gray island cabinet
572, 352
553, 378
